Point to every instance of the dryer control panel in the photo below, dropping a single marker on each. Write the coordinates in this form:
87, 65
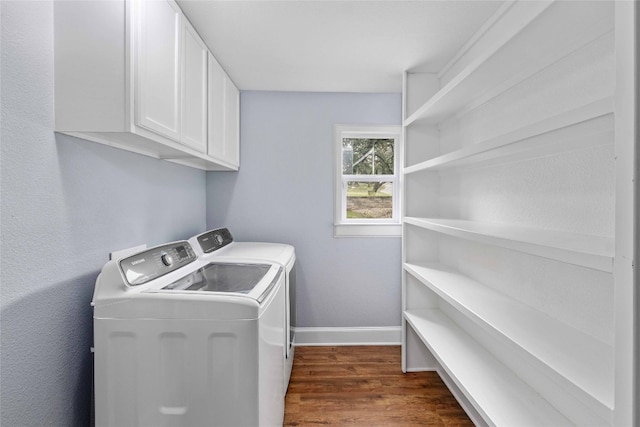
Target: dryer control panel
145, 266
214, 239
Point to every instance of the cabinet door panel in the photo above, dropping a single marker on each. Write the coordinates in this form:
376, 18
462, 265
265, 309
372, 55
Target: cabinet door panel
158, 67
231, 122
194, 90
216, 109
223, 115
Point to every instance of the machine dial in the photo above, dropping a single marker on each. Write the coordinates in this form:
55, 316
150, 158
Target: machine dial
166, 259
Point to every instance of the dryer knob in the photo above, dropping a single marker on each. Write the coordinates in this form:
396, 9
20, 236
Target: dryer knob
166, 259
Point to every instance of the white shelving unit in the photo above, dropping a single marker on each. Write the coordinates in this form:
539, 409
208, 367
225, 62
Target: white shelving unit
520, 313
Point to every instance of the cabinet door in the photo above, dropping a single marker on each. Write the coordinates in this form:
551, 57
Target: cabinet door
216, 109
223, 115
232, 122
194, 90
157, 79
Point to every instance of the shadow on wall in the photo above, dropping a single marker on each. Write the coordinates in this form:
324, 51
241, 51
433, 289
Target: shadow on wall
221, 201
46, 358
112, 199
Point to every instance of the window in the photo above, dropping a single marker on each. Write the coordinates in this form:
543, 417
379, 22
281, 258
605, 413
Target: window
367, 180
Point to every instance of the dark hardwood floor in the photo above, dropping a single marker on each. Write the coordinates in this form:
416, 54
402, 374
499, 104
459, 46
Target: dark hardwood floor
365, 386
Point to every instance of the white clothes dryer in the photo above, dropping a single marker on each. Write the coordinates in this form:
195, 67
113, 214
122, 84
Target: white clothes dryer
183, 341
219, 242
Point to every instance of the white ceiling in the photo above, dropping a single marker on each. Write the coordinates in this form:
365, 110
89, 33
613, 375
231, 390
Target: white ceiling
332, 45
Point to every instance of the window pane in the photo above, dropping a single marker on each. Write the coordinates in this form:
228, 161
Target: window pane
367, 156
369, 199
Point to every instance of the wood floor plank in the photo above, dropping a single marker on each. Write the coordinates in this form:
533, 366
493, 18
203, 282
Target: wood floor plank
365, 386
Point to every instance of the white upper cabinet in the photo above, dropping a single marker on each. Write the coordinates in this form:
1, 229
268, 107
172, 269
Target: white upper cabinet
157, 41
224, 115
194, 89
133, 74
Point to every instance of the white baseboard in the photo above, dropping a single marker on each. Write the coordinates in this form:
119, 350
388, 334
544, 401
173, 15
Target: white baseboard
389, 335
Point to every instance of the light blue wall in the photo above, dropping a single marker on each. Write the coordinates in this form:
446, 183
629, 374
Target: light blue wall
284, 192
65, 204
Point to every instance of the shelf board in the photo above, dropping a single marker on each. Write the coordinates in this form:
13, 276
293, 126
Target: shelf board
525, 140
582, 364
595, 252
490, 74
500, 397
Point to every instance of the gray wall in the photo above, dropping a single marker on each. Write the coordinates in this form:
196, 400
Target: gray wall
65, 205
284, 193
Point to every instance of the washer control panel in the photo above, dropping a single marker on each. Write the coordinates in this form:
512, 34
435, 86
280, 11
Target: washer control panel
144, 266
214, 239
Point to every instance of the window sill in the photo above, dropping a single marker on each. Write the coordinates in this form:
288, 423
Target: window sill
367, 230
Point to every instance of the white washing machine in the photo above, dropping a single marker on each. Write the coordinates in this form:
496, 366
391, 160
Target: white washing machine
219, 242
182, 341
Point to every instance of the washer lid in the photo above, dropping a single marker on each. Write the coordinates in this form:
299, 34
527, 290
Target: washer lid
275, 252
221, 277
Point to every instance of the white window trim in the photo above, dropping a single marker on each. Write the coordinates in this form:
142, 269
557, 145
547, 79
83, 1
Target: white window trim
344, 227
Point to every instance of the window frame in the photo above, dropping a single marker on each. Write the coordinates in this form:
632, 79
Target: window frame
358, 227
